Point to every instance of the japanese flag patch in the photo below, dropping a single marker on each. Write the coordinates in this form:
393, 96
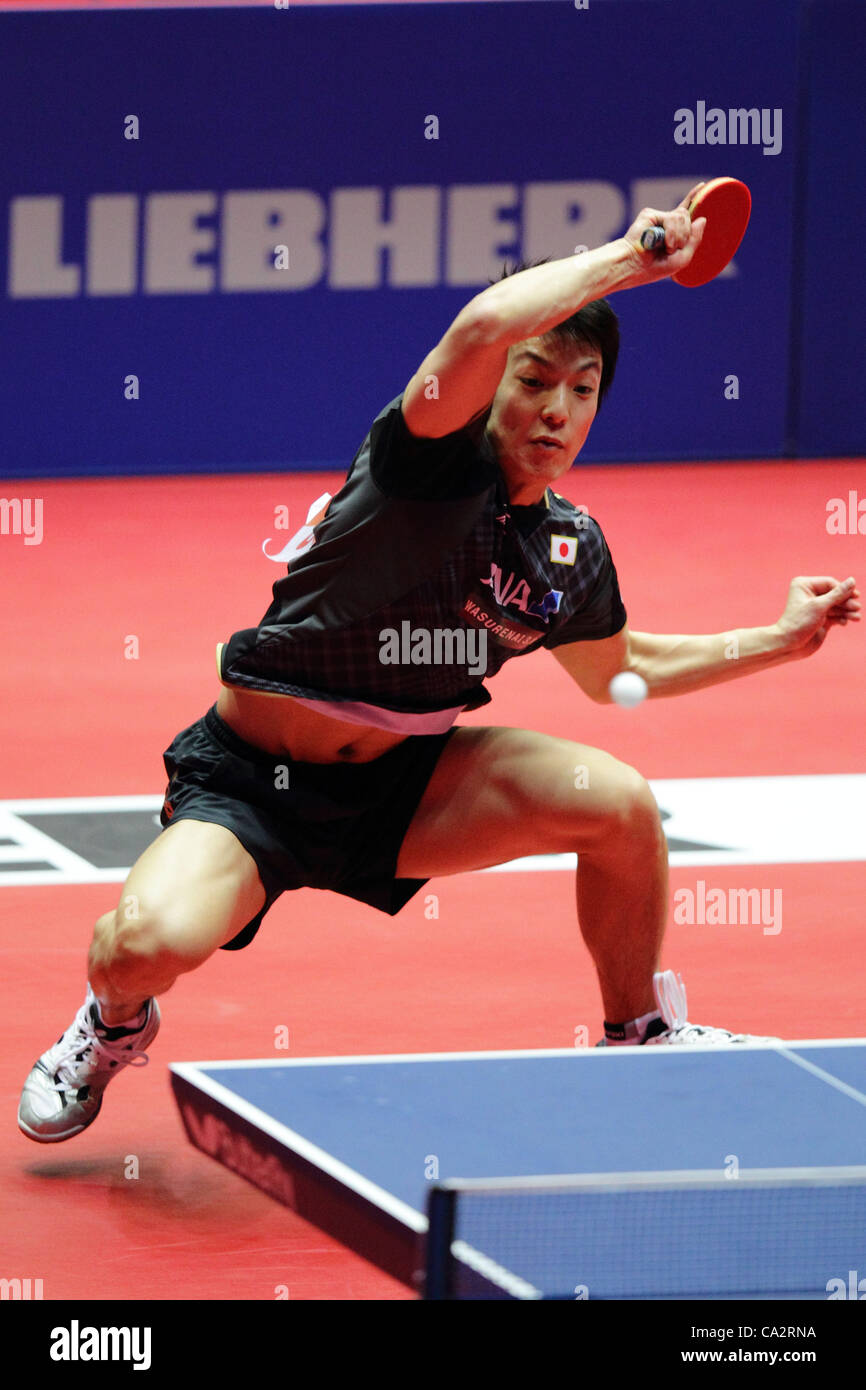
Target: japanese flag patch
563, 549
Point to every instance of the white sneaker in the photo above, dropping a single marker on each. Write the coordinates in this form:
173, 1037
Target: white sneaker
63, 1093
670, 993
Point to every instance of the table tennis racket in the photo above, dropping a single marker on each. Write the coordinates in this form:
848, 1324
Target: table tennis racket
727, 205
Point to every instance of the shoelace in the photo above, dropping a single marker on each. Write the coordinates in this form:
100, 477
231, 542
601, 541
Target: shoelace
83, 1048
670, 993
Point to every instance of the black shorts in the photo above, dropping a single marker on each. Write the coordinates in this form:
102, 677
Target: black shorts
306, 825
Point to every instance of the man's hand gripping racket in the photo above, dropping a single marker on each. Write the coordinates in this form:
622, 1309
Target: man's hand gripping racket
694, 242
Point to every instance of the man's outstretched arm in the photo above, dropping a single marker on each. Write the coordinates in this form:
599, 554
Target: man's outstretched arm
468, 363
674, 665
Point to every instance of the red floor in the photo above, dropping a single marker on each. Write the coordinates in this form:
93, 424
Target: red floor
503, 966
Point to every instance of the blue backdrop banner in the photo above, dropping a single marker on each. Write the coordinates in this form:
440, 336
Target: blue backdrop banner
229, 236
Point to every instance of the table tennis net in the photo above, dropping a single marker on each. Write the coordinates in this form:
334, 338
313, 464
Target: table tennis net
765, 1233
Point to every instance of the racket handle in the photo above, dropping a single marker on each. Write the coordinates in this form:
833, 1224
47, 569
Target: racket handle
653, 239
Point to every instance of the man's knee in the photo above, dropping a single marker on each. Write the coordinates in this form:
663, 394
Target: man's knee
164, 941
630, 807
609, 803
586, 794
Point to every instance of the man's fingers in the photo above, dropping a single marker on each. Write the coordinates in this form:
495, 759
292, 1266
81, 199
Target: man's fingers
846, 588
841, 601
818, 583
687, 200
826, 586
678, 230
845, 610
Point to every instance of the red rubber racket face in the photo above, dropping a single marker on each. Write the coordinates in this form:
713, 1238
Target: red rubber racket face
727, 205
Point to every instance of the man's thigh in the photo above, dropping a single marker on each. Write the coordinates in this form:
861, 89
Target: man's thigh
500, 794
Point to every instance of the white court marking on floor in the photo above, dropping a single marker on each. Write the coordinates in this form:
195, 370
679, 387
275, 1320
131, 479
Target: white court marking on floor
740, 820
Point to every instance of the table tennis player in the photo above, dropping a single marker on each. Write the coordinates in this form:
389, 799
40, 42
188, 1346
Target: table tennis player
334, 757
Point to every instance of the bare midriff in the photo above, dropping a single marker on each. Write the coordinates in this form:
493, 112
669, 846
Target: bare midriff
280, 725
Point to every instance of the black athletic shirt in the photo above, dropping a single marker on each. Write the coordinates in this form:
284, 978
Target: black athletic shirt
420, 539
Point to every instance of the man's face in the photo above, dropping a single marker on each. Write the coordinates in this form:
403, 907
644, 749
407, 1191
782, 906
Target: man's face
549, 390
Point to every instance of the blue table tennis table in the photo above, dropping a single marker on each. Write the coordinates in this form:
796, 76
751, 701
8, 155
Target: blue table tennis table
741, 1168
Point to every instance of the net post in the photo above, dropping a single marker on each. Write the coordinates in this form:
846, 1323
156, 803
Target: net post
439, 1264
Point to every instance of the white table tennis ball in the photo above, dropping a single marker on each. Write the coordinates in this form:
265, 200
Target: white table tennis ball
628, 689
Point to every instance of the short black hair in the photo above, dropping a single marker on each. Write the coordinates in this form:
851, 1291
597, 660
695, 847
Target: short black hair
595, 324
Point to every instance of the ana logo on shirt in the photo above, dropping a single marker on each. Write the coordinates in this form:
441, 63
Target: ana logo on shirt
516, 592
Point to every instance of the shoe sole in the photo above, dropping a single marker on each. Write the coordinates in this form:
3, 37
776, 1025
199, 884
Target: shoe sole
56, 1138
